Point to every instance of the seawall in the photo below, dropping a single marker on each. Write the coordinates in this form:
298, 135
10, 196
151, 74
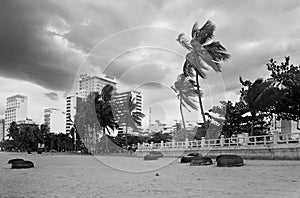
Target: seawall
266, 152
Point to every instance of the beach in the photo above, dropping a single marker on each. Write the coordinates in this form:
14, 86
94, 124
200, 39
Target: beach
57, 175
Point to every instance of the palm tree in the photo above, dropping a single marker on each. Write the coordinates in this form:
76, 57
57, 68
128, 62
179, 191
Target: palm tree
184, 88
202, 52
259, 96
104, 111
131, 117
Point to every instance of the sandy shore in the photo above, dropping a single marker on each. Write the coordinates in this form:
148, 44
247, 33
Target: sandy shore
105, 176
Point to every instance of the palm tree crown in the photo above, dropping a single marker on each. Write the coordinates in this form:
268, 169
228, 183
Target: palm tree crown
201, 50
184, 88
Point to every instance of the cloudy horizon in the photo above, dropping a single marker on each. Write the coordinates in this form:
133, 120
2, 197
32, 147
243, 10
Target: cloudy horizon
46, 45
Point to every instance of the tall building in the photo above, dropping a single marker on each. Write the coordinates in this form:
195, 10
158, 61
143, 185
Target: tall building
2, 129
54, 118
121, 101
72, 103
16, 110
87, 84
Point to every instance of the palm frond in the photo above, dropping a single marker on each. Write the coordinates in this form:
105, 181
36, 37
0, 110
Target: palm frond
217, 51
106, 92
205, 33
186, 91
185, 106
208, 59
190, 103
194, 60
188, 69
195, 29
184, 41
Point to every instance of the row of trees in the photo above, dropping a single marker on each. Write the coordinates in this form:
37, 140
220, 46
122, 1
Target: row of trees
31, 137
277, 97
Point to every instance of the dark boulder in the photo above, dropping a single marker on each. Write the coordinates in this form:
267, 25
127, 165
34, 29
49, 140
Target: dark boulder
22, 164
200, 161
229, 160
156, 153
15, 160
188, 158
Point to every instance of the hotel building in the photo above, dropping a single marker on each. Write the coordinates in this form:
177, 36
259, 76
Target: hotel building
54, 118
16, 110
121, 100
87, 84
2, 129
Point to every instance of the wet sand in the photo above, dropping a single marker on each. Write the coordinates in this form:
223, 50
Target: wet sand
106, 176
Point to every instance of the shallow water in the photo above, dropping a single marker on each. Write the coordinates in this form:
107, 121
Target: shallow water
105, 176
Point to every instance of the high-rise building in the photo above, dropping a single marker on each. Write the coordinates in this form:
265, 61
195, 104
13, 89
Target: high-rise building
16, 110
121, 106
72, 103
87, 84
2, 129
54, 118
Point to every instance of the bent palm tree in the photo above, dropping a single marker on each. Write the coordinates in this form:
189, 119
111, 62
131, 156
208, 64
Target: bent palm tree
184, 88
202, 52
104, 111
131, 117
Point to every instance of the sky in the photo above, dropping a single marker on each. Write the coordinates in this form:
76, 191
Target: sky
46, 45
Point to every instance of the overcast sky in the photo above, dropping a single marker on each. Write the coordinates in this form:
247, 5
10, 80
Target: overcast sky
45, 45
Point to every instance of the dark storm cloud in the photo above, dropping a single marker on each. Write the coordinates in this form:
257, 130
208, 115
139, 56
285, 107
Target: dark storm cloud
52, 95
32, 44
44, 41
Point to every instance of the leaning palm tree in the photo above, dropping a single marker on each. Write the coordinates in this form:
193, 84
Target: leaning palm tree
202, 53
131, 117
104, 111
184, 88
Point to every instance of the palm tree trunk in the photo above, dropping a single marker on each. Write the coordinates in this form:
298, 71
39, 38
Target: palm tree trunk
182, 117
200, 102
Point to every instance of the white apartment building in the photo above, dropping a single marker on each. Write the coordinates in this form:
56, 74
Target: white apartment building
87, 84
121, 100
55, 119
72, 103
2, 129
16, 110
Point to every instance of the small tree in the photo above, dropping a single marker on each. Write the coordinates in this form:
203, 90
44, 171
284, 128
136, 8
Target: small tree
287, 79
259, 96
